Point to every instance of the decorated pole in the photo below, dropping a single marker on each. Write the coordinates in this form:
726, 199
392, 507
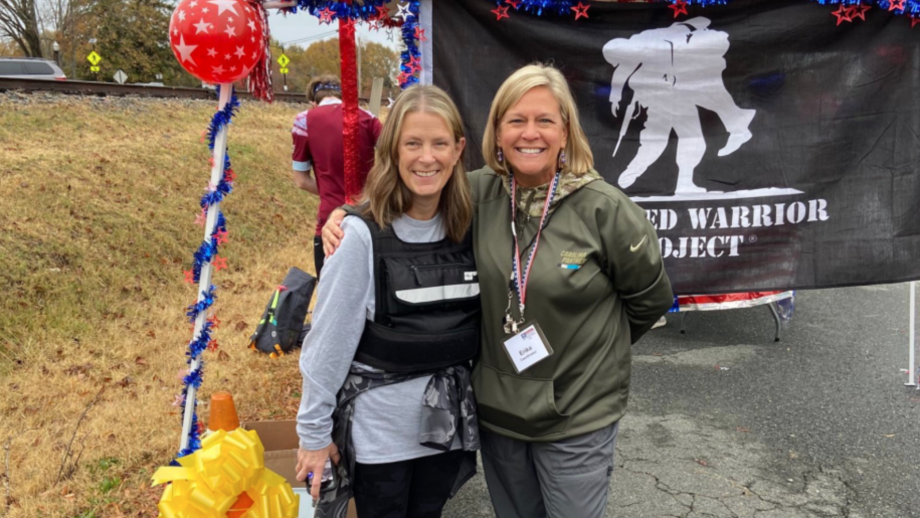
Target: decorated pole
350, 111
219, 42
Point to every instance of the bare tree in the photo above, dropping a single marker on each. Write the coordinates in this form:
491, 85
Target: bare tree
19, 22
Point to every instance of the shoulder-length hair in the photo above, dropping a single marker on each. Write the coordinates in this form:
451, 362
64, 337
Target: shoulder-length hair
579, 158
387, 196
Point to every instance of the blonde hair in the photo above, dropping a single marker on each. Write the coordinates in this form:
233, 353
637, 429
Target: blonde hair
578, 156
386, 195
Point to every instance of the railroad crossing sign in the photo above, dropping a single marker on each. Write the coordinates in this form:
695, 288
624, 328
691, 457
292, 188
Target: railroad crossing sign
120, 77
94, 60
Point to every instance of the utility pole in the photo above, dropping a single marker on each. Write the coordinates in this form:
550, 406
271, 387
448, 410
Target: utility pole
73, 44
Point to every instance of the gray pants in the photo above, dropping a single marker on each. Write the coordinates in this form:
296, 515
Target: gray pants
561, 479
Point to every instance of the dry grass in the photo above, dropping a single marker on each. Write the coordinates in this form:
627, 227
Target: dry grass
97, 203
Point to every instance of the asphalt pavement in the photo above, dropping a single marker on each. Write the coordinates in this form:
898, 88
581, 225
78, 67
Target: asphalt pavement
725, 422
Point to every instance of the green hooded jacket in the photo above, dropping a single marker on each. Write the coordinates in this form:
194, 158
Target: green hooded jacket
596, 286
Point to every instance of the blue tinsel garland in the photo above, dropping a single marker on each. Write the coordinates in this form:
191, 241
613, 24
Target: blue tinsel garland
409, 29
355, 11
206, 252
564, 7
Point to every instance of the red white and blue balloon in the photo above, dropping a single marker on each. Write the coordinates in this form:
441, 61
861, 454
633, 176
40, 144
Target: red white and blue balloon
217, 41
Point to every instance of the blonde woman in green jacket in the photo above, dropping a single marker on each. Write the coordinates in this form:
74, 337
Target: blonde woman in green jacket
569, 278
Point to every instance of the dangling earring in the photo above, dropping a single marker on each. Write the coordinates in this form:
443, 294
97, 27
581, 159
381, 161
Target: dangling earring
501, 157
562, 158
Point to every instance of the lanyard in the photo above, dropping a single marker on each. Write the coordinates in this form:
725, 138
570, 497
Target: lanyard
520, 278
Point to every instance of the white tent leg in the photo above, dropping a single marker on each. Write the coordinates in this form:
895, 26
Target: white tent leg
911, 370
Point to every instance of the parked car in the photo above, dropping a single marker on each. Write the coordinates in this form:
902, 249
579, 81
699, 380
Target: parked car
31, 68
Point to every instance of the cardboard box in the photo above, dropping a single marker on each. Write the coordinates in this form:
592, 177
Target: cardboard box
281, 444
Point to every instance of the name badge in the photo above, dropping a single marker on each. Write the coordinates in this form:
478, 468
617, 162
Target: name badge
528, 347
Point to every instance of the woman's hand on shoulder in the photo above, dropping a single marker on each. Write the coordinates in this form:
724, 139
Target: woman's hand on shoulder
332, 232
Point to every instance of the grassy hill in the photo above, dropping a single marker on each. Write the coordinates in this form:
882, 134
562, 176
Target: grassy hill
98, 199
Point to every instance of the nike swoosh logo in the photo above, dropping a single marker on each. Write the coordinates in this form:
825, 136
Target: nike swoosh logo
633, 248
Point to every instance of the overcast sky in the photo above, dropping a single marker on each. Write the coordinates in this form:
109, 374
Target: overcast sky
303, 29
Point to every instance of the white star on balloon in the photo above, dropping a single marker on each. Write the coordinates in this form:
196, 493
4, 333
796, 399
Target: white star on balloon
403, 11
218, 69
212, 52
233, 68
224, 5
226, 56
204, 10
181, 15
175, 32
185, 51
193, 3
252, 25
239, 52
231, 31
201, 26
230, 19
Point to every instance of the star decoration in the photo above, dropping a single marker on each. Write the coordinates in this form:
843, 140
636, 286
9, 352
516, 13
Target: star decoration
914, 20
201, 26
219, 263
181, 15
382, 12
230, 19
894, 5
403, 12
252, 25
679, 7
420, 34
175, 32
233, 68
859, 11
218, 69
224, 5
404, 77
389, 35
180, 399
240, 52
212, 52
581, 10
226, 56
325, 15
215, 322
514, 3
185, 51
415, 64
212, 345
230, 31
201, 217
189, 276
220, 236
500, 12
205, 10
843, 14
229, 176
193, 3
182, 374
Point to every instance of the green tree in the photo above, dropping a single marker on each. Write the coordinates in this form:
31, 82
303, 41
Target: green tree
322, 57
132, 35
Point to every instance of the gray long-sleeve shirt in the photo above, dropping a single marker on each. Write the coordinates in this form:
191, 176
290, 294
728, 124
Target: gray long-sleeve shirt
387, 419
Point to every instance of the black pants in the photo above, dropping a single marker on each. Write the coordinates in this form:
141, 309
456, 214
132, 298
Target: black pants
318, 255
416, 488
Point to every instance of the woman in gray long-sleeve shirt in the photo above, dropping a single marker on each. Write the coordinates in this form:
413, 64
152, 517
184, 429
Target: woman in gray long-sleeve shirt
386, 382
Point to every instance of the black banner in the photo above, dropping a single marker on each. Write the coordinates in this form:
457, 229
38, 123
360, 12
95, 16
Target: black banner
771, 148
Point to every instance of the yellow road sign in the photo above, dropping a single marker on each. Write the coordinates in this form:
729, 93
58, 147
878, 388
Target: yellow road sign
284, 71
94, 58
283, 61
93, 69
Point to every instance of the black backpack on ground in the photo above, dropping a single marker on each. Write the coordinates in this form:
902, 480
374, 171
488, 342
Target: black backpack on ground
282, 324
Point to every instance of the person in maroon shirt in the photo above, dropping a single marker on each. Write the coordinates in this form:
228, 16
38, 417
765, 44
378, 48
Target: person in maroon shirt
317, 135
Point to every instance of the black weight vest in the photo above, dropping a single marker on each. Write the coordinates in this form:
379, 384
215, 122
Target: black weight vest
427, 313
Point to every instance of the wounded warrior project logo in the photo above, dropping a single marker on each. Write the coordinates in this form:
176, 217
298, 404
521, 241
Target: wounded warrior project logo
671, 73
